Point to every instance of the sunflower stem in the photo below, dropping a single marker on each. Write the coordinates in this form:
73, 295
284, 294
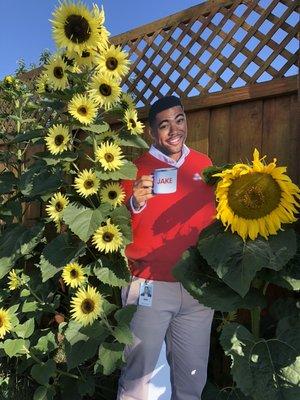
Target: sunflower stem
255, 321
34, 294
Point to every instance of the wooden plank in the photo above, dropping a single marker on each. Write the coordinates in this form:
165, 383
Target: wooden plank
198, 130
276, 87
219, 134
245, 130
281, 133
169, 21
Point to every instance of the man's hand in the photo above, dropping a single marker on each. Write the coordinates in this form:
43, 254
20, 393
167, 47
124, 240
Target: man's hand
142, 191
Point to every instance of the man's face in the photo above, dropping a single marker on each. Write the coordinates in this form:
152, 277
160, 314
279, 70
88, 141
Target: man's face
169, 131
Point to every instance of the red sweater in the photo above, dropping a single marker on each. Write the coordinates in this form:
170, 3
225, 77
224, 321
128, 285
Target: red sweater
170, 223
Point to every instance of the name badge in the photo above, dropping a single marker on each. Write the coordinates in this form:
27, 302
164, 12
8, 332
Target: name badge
146, 294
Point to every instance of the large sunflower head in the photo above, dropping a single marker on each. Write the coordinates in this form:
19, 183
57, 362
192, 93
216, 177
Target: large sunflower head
105, 90
256, 200
56, 70
83, 108
86, 183
109, 156
86, 305
107, 238
113, 194
133, 124
113, 61
73, 275
5, 322
14, 281
58, 203
75, 27
58, 139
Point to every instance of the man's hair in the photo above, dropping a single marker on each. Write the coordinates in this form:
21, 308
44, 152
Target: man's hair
162, 104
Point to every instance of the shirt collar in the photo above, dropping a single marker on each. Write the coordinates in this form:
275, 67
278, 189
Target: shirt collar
163, 157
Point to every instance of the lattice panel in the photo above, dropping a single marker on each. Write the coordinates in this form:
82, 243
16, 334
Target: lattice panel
236, 44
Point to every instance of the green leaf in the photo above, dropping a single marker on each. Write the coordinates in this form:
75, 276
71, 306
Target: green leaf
112, 272
126, 139
43, 372
205, 286
26, 136
127, 171
46, 344
121, 217
110, 356
236, 262
29, 306
25, 330
83, 221
15, 347
44, 393
125, 314
82, 343
15, 242
263, 369
284, 307
87, 387
50, 159
61, 251
96, 128
288, 330
211, 392
123, 334
7, 182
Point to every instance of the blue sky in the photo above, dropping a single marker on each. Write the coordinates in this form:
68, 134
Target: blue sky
25, 30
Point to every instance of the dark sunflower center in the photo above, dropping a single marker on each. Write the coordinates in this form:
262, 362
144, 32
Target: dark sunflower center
133, 123
59, 139
58, 72
82, 110
112, 194
87, 306
107, 237
105, 89
111, 63
74, 273
77, 29
88, 184
58, 206
85, 54
109, 157
254, 196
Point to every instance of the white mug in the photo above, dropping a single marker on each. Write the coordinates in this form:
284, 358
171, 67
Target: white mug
165, 180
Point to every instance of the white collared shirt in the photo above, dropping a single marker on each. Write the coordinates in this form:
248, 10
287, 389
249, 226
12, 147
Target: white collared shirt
168, 160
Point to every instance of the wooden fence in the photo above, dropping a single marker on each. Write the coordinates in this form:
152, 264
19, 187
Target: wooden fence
235, 65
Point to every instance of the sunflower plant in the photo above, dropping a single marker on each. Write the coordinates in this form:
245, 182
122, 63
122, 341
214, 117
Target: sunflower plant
63, 221
238, 262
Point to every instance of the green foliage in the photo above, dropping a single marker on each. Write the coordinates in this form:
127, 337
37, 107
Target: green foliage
236, 262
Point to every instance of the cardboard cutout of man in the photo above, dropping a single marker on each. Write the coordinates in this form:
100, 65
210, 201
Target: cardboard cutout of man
164, 226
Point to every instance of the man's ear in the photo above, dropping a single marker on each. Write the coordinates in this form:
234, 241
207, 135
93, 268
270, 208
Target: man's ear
150, 131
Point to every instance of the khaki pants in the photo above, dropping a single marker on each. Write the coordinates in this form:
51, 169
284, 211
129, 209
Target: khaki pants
176, 317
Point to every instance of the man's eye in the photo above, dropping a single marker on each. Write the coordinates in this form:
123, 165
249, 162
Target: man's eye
180, 120
164, 126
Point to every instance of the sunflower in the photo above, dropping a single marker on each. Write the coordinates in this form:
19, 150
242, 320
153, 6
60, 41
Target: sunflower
132, 122
110, 156
86, 305
107, 238
42, 84
127, 101
58, 139
102, 31
14, 280
58, 203
86, 183
5, 324
83, 108
85, 58
73, 275
113, 194
105, 90
256, 200
56, 71
113, 61
75, 27
110, 136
